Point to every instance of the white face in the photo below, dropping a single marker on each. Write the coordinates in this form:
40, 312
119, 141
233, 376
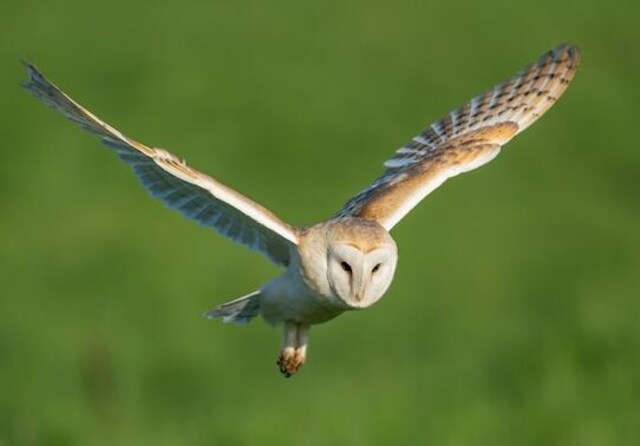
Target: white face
360, 278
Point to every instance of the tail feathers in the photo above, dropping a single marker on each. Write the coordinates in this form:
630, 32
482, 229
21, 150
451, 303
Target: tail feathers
239, 311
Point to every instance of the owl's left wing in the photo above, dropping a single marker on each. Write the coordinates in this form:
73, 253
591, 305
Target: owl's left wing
169, 179
465, 139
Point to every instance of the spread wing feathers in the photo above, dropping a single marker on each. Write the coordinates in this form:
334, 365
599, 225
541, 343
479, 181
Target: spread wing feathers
465, 139
169, 179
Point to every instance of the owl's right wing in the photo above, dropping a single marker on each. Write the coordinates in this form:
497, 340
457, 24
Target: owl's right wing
465, 139
167, 178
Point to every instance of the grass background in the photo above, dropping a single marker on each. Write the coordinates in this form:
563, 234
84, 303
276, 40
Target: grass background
514, 316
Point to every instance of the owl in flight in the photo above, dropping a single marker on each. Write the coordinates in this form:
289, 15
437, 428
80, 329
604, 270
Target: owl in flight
348, 261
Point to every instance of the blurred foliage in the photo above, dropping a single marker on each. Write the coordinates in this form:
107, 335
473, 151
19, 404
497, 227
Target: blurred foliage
514, 316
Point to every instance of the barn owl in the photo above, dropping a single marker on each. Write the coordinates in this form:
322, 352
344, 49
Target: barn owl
347, 262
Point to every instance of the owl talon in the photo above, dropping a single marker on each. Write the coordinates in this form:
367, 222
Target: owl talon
282, 368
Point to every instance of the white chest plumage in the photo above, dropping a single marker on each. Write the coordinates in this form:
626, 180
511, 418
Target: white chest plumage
284, 299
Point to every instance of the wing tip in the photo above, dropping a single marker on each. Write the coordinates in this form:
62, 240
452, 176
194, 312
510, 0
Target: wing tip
571, 51
34, 75
36, 80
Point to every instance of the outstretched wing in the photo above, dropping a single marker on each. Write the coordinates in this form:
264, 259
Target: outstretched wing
169, 179
465, 139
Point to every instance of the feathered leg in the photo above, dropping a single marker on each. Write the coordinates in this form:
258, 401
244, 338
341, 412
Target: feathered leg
294, 348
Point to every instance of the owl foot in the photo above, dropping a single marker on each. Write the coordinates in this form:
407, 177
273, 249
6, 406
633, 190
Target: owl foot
290, 361
294, 348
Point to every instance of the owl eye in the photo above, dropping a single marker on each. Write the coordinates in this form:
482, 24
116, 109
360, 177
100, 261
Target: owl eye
375, 268
345, 266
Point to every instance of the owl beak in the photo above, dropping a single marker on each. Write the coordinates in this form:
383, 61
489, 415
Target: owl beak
358, 285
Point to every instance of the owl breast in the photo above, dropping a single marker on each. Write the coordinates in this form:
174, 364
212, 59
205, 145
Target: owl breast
289, 298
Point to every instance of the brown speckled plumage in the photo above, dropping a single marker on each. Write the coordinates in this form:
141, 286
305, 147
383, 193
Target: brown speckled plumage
464, 136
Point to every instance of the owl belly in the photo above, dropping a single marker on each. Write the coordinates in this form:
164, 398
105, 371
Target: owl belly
284, 299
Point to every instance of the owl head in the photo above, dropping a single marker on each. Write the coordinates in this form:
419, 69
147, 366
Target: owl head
353, 262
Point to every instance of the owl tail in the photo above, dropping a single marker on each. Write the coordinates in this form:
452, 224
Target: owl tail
239, 311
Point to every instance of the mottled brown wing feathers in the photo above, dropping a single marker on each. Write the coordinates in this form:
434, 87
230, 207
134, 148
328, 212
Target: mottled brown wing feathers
465, 139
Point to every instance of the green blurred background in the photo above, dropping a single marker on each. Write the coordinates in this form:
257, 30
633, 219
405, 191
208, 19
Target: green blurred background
514, 316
